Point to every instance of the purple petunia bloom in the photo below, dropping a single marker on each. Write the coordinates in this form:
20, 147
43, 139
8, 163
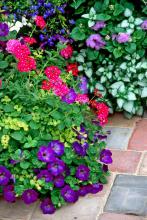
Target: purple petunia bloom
69, 194
57, 147
80, 149
9, 194
47, 206
29, 196
46, 154
95, 41
59, 181
99, 25
57, 167
105, 168
122, 38
106, 156
4, 176
98, 136
70, 97
83, 86
96, 187
83, 172
84, 190
144, 25
46, 175
4, 29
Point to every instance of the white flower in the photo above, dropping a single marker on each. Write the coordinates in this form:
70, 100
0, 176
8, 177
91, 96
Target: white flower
16, 27
127, 12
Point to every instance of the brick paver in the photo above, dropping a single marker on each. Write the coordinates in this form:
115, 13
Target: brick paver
113, 216
119, 137
118, 120
125, 161
139, 138
128, 195
86, 208
15, 211
143, 166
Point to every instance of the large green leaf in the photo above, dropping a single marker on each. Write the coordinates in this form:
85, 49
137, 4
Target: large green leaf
76, 3
3, 64
78, 34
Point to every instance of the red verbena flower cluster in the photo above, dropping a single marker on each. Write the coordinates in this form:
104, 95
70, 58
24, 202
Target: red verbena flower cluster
102, 111
60, 88
29, 40
55, 82
22, 53
40, 22
73, 68
67, 52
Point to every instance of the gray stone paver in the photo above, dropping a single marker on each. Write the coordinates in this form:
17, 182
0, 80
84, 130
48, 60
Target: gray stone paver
128, 195
86, 208
15, 211
119, 137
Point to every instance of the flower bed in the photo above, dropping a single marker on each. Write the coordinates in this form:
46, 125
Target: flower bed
113, 40
52, 143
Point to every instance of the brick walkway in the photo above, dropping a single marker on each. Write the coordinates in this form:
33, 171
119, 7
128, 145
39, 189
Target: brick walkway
124, 198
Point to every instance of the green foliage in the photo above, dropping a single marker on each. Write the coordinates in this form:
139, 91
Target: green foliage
118, 70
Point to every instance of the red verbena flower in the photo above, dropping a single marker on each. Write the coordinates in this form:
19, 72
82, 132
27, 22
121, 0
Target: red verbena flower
27, 64
67, 52
29, 40
40, 22
21, 52
46, 85
73, 68
52, 72
60, 89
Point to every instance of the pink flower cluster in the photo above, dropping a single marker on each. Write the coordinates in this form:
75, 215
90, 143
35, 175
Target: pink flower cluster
102, 111
22, 53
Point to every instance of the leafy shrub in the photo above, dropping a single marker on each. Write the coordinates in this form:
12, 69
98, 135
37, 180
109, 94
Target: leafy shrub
113, 41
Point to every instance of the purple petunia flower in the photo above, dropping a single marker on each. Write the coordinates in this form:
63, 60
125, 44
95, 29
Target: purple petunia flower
144, 25
99, 25
105, 168
70, 97
4, 29
4, 176
57, 147
80, 149
83, 172
46, 175
9, 194
59, 181
46, 154
84, 190
47, 206
69, 194
96, 187
57, 167
83, 86
29, 196
105, 156
122, 38
98, 136
95, 41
